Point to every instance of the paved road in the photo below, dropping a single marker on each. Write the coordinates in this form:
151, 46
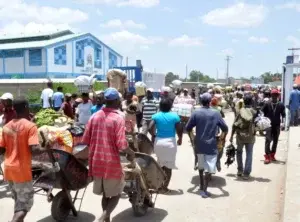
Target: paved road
259, 199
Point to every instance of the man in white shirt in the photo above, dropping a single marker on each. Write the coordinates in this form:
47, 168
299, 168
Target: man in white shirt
46, 96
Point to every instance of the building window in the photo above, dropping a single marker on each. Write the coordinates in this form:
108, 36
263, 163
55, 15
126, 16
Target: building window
80, 53
98, 56
112, 60
60, 55
35, 57
13, 53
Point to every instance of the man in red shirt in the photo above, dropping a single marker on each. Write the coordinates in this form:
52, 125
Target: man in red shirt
67, 107
105, 137
8, 111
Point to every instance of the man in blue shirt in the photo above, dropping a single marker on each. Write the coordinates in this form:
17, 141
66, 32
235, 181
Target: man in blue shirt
99, 103
206, 122
294, 105
58, 98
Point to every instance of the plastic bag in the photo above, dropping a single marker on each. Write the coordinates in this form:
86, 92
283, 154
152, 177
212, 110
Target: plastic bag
262, 123
84, 80
177, 83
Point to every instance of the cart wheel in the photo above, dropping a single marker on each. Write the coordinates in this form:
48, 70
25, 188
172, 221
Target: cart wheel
139, 202
60, 208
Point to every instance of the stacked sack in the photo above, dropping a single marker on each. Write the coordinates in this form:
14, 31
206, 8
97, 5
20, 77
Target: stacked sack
84, 83
140, 88
117, 79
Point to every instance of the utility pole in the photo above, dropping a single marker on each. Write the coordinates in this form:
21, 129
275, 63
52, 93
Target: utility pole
227, 69
217, 75
293, 50
127, 61
186, 72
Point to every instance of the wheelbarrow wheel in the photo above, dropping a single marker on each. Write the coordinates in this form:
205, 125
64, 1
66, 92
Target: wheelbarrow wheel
60, 208
139, 201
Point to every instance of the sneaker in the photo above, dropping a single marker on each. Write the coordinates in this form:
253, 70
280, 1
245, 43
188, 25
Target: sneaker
204, 194
239, 174
267, 159
246, 177
272, 157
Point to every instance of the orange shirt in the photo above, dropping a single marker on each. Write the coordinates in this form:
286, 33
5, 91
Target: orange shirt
17, 137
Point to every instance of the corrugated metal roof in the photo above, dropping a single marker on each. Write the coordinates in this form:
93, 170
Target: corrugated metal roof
42, 34
38, 44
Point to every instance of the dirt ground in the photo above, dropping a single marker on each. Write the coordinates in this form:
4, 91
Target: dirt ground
259, 199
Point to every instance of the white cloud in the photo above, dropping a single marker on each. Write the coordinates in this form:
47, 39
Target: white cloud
294, 40
168, 9
120, 3
145, 47
117, 23
18, 10
290, 5
260, 40
226, 52
240, 15
186, 41
234, 40
129, 37
16, 28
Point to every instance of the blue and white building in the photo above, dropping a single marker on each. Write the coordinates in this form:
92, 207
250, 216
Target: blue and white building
56, 55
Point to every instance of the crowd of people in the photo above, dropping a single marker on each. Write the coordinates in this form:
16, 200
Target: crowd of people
109, 117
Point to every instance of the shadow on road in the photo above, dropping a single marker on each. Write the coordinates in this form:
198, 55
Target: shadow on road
216, 182
174, 192
82, 216
154, 215
4, 191
251, 179
278, 162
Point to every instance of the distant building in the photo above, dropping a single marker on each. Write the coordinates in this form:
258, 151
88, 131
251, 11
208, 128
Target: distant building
56, 55
257, 81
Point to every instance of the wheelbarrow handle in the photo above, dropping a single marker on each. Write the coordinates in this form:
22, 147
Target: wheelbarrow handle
50, 154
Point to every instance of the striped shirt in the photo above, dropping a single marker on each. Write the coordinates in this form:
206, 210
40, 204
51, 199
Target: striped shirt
150, 107
105, 136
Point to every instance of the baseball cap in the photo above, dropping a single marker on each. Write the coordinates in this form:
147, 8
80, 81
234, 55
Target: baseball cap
150, 89
274, 91
185, 89
6, 96
205, 97
111, 94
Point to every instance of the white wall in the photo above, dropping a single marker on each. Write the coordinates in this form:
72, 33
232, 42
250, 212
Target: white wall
34, 69
14, 65
86, 69
60, 68
1, 66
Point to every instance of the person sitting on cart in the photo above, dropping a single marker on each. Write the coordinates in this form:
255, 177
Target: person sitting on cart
105, 137
19, 139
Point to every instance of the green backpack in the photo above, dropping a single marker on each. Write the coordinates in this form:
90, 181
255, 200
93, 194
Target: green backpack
245, 123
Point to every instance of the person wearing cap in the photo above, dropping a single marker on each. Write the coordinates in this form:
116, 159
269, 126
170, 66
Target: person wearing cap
206, 122
105, 137
66, 107
184, 98
294, 104
275, 111
149, 108
8, 111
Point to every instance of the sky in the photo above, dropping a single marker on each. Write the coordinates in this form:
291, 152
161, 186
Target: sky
168, 35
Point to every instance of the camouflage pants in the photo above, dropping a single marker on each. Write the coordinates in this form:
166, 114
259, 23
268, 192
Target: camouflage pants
22, 193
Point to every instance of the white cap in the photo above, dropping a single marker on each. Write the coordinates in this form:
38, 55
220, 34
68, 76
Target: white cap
6, 96
150, 89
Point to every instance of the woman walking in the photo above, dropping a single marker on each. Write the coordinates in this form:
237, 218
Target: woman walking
165, 147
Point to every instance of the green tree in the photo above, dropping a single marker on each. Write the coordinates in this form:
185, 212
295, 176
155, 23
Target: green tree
197, 76
170, 77
270, 77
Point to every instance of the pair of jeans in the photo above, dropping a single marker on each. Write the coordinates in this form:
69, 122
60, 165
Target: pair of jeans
239, 157
272, 134
294, 117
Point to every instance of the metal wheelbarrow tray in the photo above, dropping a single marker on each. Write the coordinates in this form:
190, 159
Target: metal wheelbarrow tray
57, 169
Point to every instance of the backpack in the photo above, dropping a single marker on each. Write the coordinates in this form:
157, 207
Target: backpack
245, 123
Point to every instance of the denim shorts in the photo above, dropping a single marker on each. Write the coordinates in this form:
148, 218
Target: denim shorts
207, 163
